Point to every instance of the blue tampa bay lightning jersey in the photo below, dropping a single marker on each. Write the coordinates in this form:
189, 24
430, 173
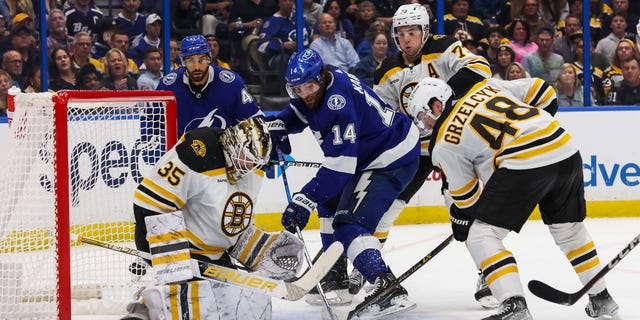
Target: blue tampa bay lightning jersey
356, 131
222, 102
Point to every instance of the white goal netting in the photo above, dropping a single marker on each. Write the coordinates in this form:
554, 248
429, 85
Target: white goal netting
74, 159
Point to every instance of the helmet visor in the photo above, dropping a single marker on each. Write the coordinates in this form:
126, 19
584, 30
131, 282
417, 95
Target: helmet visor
304, 90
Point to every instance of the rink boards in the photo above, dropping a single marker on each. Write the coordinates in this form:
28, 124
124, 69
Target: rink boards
607, 138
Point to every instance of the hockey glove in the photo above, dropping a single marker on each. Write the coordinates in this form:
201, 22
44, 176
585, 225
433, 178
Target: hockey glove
460, 223
297, 212
279, 137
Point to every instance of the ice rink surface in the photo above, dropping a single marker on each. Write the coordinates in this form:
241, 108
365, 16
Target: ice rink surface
444, 287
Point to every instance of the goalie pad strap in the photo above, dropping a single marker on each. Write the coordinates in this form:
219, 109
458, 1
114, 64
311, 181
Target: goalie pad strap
252, 246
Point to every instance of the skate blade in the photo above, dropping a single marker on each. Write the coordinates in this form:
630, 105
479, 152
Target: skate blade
398, 306
489, 302
335, 298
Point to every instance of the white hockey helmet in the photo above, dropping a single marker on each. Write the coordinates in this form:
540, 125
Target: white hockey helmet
410, 15
246, 147
425, 92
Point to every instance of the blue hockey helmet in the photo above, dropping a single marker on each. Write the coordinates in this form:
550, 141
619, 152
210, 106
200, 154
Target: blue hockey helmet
194, 44
303, 66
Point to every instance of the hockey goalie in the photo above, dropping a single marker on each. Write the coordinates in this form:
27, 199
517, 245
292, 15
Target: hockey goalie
197, 203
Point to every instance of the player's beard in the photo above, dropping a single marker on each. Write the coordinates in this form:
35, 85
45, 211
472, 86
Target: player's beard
197, 76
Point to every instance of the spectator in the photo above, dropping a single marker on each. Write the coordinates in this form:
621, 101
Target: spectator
281, 25
23, 19
563, 45
613, 75
120, 40
600, 18
519, 35
244, 16
344, 26
365, 18
529, 11
106, 28
515, 70
185, 18
364, 47
174, 48
83, 16
506, 56
493, 12
89, 78
61, 74
150, 78
494, 39
58, 37
311, 11
5, 84
4, 33
568, 88
33, 83
629, 91
543, 63
364, 70
621, 7
349, 9
13, 64
214, 44
116, 75
607, 46
150, 39
385, 10
21, 40
130, 20
81, 52
553, 11
216, 12
596, 73
460, 18
334, 50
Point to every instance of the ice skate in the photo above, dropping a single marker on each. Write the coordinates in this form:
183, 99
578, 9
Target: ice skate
394, 302
335, 286
356, 281
483, 294
514, 308
601, 305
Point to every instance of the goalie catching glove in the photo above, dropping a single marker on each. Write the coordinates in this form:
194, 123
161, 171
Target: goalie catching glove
278, 256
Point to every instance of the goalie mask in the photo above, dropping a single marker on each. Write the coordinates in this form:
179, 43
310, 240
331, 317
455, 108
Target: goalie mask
424, 94
246, 147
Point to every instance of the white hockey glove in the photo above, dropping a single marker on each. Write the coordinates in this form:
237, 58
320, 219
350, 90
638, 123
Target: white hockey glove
275, 255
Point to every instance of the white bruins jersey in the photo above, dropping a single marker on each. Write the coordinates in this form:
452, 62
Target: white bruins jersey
192, 177
534, 92
490, 128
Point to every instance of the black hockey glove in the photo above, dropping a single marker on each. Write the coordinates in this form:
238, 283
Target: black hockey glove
298, 212
279, 137
460, 223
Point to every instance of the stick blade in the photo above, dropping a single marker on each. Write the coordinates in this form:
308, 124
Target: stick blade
546, 292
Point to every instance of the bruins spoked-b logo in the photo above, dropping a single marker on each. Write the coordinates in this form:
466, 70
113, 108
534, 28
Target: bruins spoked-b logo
237, 214
405, 92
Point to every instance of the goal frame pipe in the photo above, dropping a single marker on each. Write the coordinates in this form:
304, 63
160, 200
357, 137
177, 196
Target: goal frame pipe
61, 155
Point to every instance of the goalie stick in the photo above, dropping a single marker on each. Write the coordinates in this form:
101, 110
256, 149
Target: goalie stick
281, 289
546, 292
372, 299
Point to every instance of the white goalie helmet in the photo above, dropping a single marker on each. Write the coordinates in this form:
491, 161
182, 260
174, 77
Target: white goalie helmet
246, 147
425, 92
410, 15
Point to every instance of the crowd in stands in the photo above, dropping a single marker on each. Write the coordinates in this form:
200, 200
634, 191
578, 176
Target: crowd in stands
520, 38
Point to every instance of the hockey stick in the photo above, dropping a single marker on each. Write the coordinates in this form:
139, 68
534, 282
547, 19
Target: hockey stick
272, 287
301, 164
546, 292
307, 256
372, 299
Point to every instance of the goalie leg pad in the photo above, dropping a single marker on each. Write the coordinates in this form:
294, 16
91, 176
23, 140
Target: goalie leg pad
169, 247
205, 300
278, 256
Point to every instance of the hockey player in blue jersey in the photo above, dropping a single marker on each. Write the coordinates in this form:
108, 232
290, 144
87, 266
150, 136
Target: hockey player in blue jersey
207, 95
371, 153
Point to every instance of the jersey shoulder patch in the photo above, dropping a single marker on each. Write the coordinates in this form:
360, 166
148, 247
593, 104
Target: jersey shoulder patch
169, 79
388, 67
226, 76
200, 151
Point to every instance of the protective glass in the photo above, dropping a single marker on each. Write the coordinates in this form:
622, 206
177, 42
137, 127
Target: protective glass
302, 90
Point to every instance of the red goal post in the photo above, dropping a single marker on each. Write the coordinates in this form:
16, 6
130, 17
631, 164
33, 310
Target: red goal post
74, 160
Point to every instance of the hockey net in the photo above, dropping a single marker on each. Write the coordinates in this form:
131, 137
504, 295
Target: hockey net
73, 162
